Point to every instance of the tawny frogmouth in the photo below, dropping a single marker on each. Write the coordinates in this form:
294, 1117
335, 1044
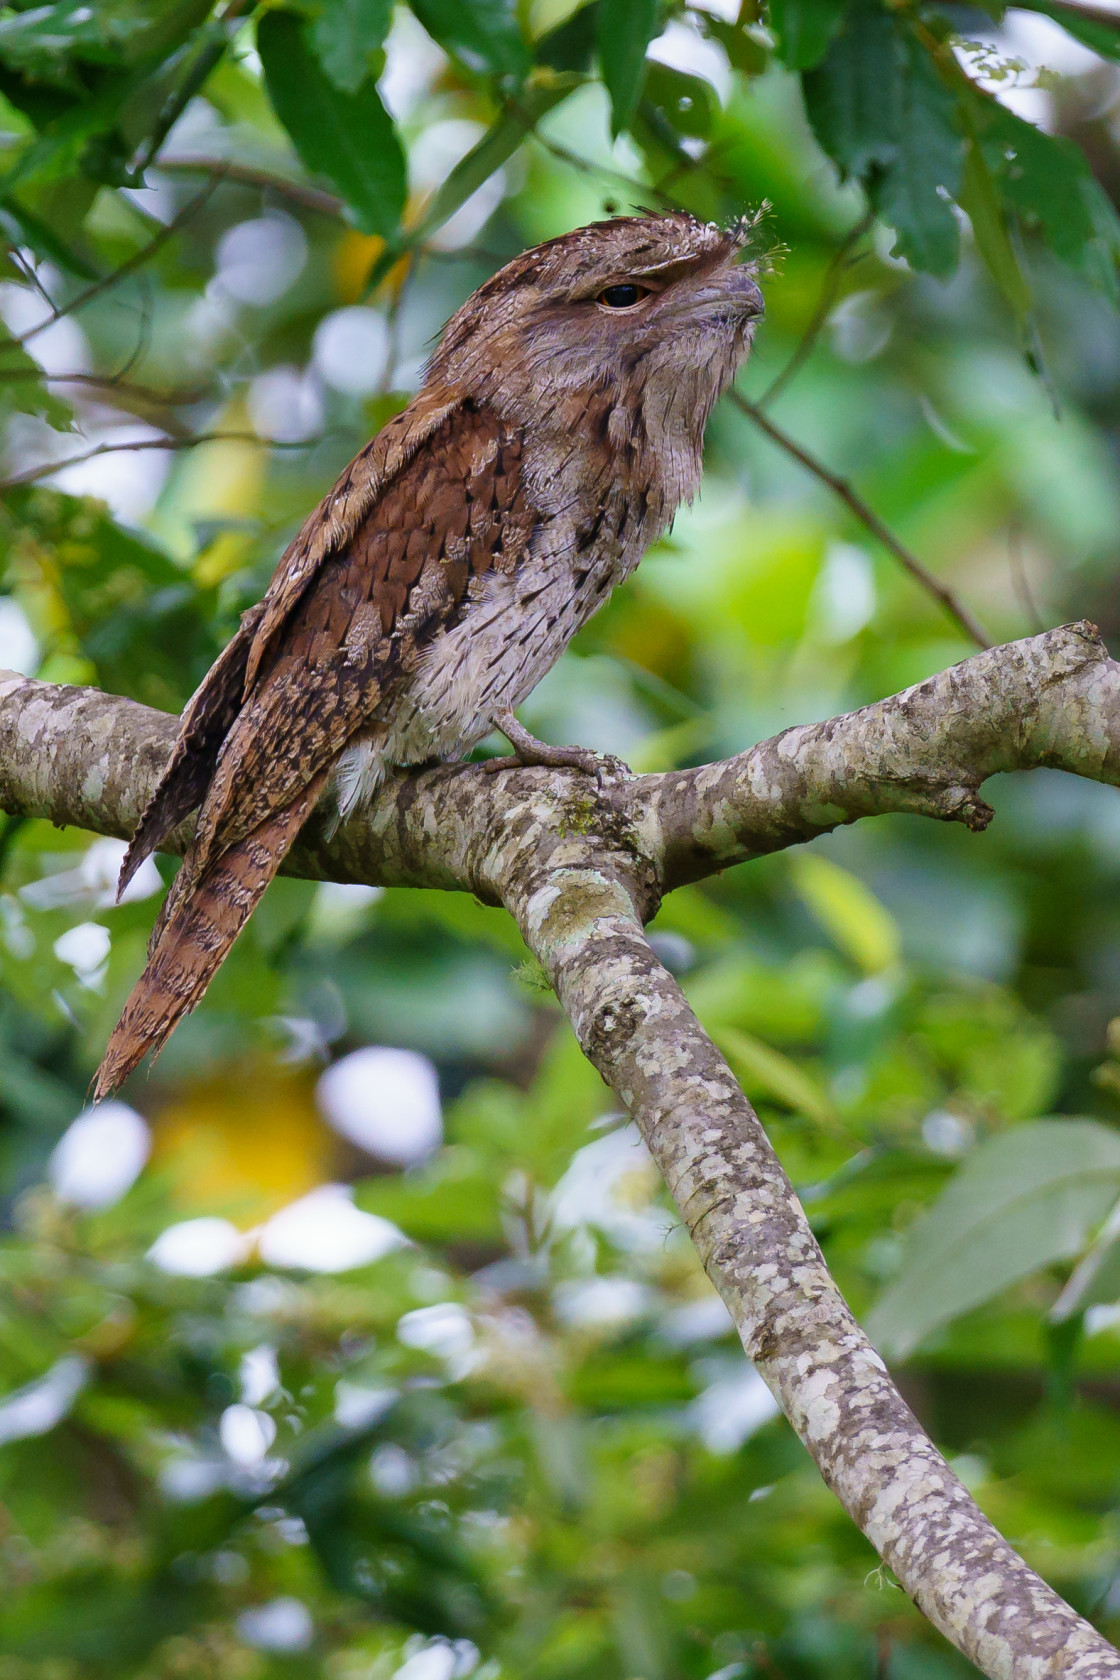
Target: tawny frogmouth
558, 429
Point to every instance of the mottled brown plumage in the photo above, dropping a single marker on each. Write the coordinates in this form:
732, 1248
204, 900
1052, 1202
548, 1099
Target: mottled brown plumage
559, 428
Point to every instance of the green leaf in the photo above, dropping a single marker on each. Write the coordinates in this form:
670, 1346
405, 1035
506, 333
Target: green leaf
38, 102
348, 36
883, 114
348, 137
1046, 179
571, 45
764, 1071
80, 130
1039, 175
685, 101
981, 201
1022, 1200
804, 29
130, 609
744, 50
425, 1577
449, 1201
912, 193
626, 28
42, 38
46, 241
854, 98
848, 911
998, 1055
483, 34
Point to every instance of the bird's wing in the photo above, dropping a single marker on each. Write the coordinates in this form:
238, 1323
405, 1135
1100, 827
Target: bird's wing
456, 510
406, 470
338, 517
352, 625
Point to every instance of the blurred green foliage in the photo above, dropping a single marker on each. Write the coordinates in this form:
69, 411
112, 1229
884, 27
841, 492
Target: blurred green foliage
526, 1444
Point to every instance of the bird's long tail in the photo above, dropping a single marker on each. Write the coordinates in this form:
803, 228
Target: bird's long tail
200, 922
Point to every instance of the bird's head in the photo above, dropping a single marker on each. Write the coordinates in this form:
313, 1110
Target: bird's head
653, 312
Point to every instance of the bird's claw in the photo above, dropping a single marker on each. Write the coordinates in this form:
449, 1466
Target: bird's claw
527, 751
605, 767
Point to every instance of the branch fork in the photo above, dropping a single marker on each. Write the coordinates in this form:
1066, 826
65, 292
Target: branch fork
581, 868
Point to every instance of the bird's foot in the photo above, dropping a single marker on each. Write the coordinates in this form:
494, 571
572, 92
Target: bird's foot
527, 750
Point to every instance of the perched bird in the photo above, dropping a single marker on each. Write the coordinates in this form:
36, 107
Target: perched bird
559, 427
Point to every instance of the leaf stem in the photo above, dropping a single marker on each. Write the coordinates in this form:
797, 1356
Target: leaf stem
868, 518
208, 59
245, 175
137, 260
807, 343
45, 469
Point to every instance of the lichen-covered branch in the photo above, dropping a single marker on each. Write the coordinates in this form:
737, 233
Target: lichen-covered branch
1051, 700
634, 1024
90, 759
581, 869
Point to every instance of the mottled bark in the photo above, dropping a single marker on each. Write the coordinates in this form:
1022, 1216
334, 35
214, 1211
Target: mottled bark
581, 868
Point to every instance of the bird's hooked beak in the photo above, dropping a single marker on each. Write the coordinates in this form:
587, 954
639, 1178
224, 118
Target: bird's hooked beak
742, 288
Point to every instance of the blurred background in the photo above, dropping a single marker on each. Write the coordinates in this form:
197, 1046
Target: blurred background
360, 1339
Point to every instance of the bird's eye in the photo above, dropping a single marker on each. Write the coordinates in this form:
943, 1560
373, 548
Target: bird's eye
624, 296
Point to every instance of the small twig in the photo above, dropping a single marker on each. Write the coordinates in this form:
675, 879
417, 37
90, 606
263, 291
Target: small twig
882, 1655
30, 275
47, 468
111, 382
1020, 582
869, 519
209, 57
764, 1662
143, 337
137, 260
588, 166
244, 175
808, 340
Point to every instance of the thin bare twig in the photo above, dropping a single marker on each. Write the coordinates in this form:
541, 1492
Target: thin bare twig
245, 175
33, 474
588, 166
137, 260
868, 518
29, 274
882, 1655
209, 57
1020, 582
825, 301
111, 382
144, 336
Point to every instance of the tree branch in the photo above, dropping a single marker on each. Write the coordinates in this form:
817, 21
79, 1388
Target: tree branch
1048, 701
580, 871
